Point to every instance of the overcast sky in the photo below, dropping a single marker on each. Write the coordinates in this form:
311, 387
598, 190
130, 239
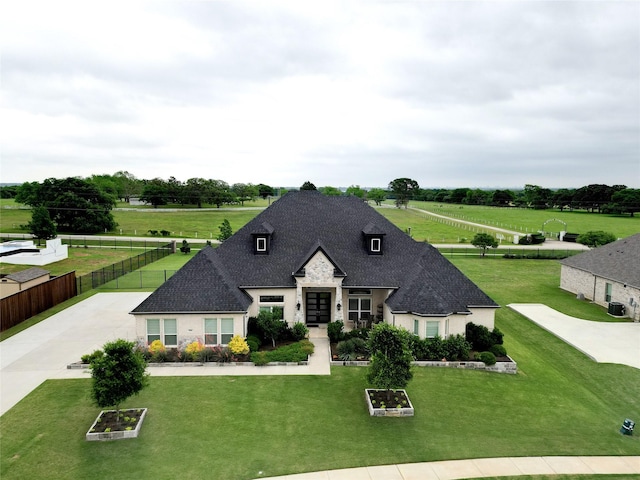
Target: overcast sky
452, 94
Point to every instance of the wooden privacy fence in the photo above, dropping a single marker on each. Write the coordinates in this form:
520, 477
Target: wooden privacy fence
18, 307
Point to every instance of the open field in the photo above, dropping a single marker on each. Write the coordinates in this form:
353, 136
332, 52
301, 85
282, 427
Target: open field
560, 403
527, 220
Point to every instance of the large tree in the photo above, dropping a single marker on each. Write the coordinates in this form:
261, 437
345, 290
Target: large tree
626, 201
308, 186
155, 192
403, 189
74, 204
484, 241
244, 192
377, 195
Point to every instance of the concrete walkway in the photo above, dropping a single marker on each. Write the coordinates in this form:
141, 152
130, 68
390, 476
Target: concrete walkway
616, 342
478, 468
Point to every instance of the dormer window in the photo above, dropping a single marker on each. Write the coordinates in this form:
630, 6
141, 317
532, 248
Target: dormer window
373, 238
261, 244
376, 245
262, 239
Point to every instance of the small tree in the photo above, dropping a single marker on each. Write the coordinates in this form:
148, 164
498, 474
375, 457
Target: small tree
117, 374
41, 226
272, 325
484, 241
391, 358
225, 230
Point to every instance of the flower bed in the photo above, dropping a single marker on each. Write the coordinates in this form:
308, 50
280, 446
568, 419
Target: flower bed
381, 404
106, 426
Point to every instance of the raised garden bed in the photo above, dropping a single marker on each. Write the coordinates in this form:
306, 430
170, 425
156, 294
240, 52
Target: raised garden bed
107, 427
380, 404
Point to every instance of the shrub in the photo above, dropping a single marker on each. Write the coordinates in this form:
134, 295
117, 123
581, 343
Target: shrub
457, 348
238, 345
295, 352
335, 331
216, 354
497, 337
434, 349
486, 357
596, 238
361, 333
259, 358
346, 350
254, 343
192, 351
156, 346
478, 336
498, 350
90, 357
272, 325
299, 331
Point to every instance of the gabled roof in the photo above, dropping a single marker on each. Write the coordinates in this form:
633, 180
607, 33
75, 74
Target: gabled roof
319, 247
618, 261
301, 223
27, 275
201, 286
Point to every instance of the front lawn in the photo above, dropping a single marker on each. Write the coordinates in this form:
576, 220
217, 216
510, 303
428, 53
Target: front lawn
559, 403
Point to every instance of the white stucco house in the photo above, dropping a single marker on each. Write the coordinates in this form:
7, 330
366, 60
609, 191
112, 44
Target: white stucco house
321, 259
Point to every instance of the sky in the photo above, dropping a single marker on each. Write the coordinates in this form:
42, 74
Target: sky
478, 94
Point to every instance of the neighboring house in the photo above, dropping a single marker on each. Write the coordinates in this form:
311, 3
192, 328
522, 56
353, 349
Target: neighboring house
321, 259
607, 275
19, 281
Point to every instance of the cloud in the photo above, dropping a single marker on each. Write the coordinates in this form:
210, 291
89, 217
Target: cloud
476, 94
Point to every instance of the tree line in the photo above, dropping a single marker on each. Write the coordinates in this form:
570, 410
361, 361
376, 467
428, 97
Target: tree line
83, 205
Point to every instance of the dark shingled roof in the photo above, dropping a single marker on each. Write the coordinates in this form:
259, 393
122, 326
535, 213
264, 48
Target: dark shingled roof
27, 275
619, 261
300, 223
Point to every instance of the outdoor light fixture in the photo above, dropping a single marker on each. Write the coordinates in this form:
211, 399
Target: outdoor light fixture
339, 306
298, 305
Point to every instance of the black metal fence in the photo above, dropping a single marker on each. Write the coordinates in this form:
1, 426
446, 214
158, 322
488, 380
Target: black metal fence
535, 253
107, 274
141, 279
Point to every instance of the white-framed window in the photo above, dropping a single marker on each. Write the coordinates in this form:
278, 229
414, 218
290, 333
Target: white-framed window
163, 329
432, 329
608, 288
359, 308
416, 327
376, 245
218, 331
261, 244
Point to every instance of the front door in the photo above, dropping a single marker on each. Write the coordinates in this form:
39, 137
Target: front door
318, 307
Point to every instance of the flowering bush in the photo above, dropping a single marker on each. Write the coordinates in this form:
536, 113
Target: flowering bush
238, 345
193, 349
156, 347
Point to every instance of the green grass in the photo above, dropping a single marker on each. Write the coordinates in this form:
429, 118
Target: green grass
527, 220
560, 403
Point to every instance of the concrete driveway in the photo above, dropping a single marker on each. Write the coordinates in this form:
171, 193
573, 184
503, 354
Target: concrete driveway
616, 342
44, 350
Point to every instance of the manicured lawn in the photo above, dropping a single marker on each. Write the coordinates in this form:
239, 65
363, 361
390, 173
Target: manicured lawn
560, 403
